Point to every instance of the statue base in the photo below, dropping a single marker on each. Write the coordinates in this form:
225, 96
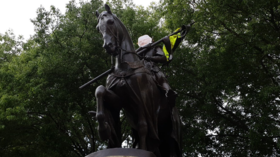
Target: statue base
122, 152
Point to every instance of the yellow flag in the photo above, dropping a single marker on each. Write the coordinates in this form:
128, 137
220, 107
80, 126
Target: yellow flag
172, 40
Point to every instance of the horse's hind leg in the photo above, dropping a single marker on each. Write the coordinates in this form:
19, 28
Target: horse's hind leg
107, 115
142, 131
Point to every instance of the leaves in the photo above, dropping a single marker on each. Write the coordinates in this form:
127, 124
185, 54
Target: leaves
227, 78
226, 73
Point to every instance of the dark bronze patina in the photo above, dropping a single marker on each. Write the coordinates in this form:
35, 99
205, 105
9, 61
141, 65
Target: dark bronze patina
132, 86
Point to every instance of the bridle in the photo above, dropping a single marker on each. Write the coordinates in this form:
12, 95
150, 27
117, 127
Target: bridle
119, 48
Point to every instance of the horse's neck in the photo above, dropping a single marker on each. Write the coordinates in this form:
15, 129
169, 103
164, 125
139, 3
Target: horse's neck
127, 55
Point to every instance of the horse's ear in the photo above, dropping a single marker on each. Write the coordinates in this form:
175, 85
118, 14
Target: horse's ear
107, 8
97, 13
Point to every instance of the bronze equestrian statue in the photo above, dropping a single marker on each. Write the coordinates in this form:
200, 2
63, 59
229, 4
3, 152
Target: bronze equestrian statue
131, 86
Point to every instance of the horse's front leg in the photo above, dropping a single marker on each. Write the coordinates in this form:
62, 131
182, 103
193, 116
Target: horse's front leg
107, 115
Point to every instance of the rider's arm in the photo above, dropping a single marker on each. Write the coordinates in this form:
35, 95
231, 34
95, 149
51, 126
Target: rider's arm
159, 56
157, 59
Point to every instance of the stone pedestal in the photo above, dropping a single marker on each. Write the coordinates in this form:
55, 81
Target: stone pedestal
122, 152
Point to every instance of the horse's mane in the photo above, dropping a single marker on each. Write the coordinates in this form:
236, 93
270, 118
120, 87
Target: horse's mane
123, 29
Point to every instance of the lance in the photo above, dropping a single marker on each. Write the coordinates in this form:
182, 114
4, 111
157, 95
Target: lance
138, 51
97, 78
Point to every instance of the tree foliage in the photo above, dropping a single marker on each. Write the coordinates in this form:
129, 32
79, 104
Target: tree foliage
226, 73
228, 76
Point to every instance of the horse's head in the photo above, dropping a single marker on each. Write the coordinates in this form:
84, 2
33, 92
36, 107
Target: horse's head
107, 27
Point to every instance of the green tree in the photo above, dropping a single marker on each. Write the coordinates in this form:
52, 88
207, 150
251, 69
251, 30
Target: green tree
9, 46
227, 76
12, 116
41, 86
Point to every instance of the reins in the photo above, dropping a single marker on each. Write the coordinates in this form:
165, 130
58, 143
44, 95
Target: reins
119, 47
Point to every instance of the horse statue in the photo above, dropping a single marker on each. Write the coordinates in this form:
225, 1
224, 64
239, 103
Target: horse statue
131, 87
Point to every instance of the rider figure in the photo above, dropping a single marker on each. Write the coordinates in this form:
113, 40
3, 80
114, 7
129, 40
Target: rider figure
153, 56
156, 54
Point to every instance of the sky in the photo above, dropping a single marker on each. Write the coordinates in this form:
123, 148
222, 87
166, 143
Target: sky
15, 15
